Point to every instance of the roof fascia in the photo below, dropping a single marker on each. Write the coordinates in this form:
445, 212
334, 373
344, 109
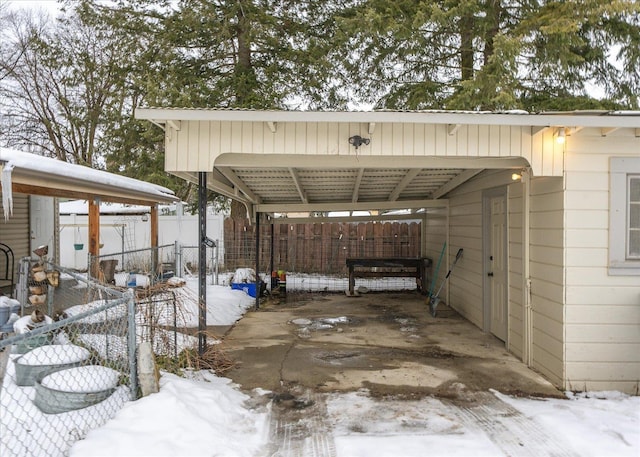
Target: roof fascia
72, 187
164, 115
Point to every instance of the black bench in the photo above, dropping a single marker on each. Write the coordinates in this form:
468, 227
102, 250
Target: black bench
400, 267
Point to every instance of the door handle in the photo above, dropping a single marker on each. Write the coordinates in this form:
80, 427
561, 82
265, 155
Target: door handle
490, 273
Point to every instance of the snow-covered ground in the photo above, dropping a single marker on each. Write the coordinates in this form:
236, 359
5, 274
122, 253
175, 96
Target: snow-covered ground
208, 416
205, 415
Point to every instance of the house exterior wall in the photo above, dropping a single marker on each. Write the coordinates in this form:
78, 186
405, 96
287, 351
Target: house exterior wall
546, 262
466, 232
546, 271
435, 235
197, 145
15, 231
602, 311
515, 236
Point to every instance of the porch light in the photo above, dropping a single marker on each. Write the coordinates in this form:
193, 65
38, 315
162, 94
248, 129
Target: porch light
516, 177
560, 136
358, 141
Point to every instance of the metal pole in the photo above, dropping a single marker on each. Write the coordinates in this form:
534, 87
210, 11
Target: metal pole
217, 259
272, 255
178, 260
133, 370
202, 262
257, 261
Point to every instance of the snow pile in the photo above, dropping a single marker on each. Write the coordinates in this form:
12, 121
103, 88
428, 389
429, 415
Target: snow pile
91, 378
243, 275
55, 354
202, 417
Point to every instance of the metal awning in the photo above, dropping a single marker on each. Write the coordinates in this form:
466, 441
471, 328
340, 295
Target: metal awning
36, 175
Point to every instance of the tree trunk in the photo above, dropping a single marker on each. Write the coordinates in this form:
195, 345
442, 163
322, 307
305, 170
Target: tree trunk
466, 47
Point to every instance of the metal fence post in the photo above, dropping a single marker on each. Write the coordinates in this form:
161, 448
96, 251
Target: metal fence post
131, 344
217, 259
179, 269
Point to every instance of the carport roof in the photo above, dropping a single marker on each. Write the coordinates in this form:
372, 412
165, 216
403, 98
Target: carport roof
301, 161
36, 175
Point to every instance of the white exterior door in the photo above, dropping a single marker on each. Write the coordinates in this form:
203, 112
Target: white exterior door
497, 273
42, 215
495, 263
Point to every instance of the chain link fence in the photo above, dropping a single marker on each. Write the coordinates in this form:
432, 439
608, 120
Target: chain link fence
152, 265
70, 366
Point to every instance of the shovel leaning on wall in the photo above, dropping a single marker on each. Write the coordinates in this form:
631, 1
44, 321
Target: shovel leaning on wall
435, 299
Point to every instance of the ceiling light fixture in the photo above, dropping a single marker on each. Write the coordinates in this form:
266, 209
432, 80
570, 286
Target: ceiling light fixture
560, 137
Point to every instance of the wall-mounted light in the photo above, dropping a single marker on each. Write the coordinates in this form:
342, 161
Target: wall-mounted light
560, 136
145, 217
516, 177
358, 141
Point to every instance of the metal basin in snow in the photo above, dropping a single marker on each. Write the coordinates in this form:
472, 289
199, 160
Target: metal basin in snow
74, 388
48, 359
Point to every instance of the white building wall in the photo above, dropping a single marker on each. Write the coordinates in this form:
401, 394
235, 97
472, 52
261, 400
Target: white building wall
197, 145
602, 311
546, 241
137, 234
14, 232
515, 252
465, 222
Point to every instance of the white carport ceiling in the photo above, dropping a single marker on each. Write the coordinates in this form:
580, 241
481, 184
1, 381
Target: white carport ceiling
285, 161
303, 185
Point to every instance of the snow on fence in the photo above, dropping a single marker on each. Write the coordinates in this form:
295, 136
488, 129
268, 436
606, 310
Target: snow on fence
70, 366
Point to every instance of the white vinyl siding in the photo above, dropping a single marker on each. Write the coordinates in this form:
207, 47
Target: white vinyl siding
435, 236
465, 222
15, 231
516, 305
602, 310
197, 145
547, 276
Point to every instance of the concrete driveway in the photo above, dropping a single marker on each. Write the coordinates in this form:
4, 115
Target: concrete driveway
386, 343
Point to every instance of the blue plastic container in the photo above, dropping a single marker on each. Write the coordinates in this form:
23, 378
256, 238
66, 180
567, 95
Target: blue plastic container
247, 288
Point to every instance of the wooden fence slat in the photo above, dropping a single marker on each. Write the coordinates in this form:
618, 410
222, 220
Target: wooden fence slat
318, 248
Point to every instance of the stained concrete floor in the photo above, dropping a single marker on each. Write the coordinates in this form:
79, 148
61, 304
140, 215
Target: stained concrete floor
386, 343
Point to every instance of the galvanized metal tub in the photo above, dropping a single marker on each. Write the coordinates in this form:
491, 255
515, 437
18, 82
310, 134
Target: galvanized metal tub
74, 388
48, 359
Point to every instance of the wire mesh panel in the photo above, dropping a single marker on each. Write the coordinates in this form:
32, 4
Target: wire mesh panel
69, 367
188, 258
151, 264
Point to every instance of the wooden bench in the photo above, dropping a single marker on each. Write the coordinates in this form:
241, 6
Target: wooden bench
400, 267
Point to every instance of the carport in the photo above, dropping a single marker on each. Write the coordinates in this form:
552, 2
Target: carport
475, 179
302, 163
30, 174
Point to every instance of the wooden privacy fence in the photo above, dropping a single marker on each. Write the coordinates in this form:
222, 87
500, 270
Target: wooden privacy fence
319, 247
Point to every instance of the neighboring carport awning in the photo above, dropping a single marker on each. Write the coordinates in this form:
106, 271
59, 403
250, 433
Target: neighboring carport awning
37, 175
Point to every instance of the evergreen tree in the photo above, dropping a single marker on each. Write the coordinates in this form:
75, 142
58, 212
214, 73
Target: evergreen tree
494, 54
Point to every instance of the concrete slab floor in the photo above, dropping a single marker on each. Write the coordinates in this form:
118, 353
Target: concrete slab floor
386, 343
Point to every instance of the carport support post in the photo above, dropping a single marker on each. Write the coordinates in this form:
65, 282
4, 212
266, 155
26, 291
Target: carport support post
257, 260
202, 262
272, 255
94, 237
